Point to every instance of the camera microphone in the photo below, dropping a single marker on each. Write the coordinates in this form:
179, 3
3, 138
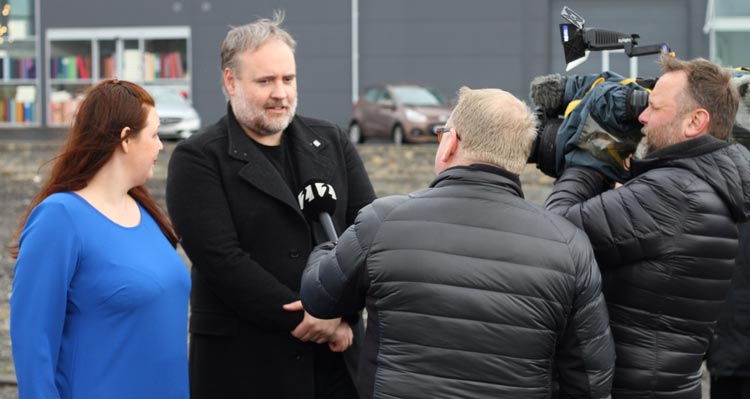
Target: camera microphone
547, 93
317, 200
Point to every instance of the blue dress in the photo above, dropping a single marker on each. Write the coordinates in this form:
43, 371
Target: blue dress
98, 310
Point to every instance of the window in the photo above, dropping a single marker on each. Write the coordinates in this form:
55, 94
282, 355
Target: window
728, 24
731, 48
19, 64
78, 58
371, 94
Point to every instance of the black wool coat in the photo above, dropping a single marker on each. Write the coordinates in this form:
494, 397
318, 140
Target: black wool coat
248, 242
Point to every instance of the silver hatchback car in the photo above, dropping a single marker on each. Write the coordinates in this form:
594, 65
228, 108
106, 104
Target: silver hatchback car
178, 119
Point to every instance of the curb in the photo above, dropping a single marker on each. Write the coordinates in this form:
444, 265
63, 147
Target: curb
8, 380
8, 146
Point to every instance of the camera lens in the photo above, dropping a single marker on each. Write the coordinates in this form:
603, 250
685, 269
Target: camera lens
637, 102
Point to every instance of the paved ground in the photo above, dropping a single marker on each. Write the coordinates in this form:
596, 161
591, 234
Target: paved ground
393, 170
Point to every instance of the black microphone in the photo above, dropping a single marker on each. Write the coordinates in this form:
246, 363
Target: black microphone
317, 200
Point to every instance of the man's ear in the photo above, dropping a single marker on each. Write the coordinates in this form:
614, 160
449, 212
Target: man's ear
229, 81
449, 148
124, 141
698, 123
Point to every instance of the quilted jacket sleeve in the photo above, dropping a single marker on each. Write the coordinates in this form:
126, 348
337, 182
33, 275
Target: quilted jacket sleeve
585, 353
335, 281
619, 222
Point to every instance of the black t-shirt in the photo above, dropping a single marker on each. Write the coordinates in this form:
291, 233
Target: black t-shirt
282, 159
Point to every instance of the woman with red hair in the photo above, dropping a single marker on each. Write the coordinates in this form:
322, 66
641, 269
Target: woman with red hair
100, 296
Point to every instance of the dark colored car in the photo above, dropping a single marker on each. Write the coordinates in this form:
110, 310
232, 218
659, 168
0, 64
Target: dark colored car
401, 112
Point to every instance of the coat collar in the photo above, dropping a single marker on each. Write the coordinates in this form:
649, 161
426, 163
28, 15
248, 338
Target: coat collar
309, 148
480, 174
684, 149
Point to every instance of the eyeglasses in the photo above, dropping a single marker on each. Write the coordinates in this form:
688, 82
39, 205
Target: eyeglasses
441, 130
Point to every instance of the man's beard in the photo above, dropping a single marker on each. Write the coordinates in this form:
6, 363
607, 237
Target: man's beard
642, 149
256, 120
661, 136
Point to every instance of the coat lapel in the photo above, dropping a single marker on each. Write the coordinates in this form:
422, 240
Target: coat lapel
311, 151
313, 157
258, 171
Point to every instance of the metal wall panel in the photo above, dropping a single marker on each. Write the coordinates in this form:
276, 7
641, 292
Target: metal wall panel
448, 44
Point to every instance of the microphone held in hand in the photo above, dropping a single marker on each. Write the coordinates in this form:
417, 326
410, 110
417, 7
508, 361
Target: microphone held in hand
317, 200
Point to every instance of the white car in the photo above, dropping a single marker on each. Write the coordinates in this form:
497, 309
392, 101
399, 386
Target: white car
178, 119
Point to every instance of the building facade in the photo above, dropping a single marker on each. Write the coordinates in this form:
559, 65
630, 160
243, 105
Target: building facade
343, 45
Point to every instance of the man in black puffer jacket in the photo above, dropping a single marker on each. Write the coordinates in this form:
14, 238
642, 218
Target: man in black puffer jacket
667, 239
728, 357
471, 291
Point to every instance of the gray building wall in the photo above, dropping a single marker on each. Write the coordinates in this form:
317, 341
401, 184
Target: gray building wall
448, 44
442, 43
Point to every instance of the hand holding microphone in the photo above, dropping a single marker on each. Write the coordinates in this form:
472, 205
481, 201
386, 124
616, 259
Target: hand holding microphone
317, 200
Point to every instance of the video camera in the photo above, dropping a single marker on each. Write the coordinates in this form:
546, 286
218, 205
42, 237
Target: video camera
589, 120
592, 119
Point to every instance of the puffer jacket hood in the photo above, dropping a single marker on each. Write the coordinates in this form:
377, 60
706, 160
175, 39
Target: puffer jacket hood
723, 166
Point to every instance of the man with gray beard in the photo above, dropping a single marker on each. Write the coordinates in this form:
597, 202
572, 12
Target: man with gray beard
666, 240
231, 193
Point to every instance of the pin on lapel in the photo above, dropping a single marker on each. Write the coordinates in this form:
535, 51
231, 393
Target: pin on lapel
316, 143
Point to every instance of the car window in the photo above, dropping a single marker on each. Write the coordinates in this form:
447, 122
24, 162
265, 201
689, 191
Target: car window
384, 96
372, 93
414, 95
167, 97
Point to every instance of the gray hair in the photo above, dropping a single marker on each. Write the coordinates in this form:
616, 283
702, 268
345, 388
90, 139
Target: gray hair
251, 36
495, 128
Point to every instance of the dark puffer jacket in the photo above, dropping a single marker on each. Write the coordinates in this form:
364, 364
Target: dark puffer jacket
471, 292
729, 354
666, 243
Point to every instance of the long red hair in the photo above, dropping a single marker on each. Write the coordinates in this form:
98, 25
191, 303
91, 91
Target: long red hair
107, 108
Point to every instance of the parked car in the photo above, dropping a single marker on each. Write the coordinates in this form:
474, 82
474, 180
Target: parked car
403, 112
178, 119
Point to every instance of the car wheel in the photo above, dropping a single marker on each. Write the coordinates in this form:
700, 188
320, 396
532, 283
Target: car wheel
355, 133
398, 135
